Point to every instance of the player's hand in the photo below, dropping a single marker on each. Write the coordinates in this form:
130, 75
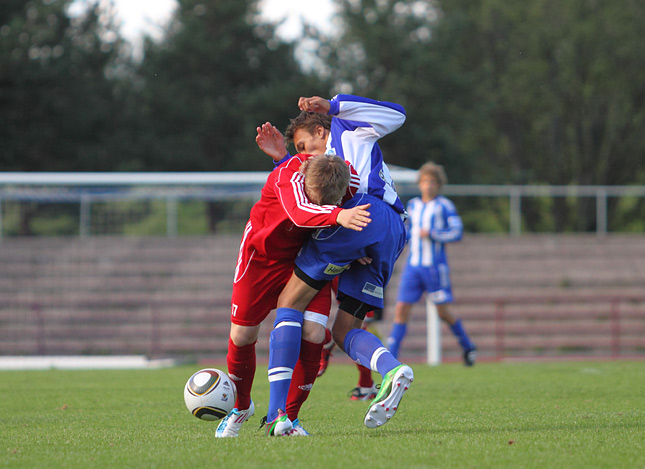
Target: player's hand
314, 104
271, 141
354, 218
364, 260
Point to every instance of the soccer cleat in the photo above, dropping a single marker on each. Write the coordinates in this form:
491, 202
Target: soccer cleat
363, 394
385, 404
470, 356
231, 424
297, 429
280, 426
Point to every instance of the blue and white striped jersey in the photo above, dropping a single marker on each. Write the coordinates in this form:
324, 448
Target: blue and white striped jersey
356, 126
439, 217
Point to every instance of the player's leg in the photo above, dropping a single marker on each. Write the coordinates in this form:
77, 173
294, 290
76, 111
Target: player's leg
411, 289
306, 370
256, 287
325, 354
365, 348
469, 350
399, 327
442, 297
240, 360
284, 350
365, 390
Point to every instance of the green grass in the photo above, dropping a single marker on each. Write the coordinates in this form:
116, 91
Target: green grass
583, 414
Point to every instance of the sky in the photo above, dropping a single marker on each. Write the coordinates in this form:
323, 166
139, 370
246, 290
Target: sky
139, 16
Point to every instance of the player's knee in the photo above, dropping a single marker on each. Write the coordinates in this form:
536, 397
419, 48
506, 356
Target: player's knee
313, 332
244, 335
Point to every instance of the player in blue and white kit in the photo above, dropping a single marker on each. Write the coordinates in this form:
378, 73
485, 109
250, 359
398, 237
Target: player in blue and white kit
352, 133
433, 222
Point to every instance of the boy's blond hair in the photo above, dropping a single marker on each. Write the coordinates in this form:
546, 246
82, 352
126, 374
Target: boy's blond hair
326, 179
434, 170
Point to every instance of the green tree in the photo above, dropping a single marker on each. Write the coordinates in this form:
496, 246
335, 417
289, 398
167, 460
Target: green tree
545, 92
57, 102
217, 74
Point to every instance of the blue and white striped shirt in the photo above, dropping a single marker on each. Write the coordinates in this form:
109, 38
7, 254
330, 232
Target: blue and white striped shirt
439, 217
355, 128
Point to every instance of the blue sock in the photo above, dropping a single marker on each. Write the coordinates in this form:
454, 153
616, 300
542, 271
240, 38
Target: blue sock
459, 332
396, 337
284, 349
366, 349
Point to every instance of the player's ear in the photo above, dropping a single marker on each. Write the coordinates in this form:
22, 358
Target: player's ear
320, 131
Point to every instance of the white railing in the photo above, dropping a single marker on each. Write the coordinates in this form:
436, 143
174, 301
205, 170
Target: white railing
172, 187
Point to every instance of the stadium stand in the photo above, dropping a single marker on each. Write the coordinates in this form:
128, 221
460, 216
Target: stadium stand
534, 296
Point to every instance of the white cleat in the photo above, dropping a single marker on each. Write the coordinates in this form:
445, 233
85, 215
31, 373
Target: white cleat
386, 402
230, 426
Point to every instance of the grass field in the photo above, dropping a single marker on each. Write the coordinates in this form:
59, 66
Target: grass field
573, 414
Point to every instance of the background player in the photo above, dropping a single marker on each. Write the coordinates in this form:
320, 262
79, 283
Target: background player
279, 223
433, 222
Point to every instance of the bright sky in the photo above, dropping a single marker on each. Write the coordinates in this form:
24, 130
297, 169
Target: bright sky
145, 15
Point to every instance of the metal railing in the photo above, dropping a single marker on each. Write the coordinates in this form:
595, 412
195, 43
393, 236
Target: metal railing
89, 188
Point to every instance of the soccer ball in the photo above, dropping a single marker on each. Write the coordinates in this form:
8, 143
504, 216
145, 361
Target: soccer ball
210, 394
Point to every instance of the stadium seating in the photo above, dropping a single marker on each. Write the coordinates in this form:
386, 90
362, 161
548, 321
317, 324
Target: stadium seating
525, 297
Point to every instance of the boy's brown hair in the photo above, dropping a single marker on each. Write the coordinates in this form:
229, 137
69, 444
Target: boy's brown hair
434, 170
307, 121
326, 179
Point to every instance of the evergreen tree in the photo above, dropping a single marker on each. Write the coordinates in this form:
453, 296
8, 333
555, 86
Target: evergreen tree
57, 102
218, 74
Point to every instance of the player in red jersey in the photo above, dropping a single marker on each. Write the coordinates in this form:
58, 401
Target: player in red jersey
279, 224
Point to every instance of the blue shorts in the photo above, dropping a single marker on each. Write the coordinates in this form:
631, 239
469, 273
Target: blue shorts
329, 252
433, 280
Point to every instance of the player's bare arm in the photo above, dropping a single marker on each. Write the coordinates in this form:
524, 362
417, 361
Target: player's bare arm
355, 218
271, 141
314, 104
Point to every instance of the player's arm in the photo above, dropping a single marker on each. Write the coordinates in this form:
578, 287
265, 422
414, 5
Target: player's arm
384, 117
454, 230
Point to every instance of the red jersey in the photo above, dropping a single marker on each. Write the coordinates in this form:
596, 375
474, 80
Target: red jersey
279, 225
283, 217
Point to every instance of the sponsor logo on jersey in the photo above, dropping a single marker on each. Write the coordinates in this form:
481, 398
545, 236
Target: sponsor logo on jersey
335, 269
373, 290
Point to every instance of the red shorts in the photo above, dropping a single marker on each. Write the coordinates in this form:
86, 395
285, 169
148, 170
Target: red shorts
257, 285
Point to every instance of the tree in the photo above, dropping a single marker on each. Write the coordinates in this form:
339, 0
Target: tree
544, 93
216, 76
57, 101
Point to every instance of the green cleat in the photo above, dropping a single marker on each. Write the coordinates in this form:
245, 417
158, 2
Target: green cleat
385, 404
280, 426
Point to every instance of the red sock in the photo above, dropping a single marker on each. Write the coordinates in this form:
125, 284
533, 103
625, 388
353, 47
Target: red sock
304, 375
364, 377
241, 369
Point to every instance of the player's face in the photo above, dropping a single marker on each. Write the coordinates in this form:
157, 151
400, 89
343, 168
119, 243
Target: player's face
429, 187
312, 144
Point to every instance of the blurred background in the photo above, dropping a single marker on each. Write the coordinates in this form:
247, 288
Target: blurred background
536, 110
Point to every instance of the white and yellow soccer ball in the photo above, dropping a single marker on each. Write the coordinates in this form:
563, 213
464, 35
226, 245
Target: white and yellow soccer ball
210, 394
